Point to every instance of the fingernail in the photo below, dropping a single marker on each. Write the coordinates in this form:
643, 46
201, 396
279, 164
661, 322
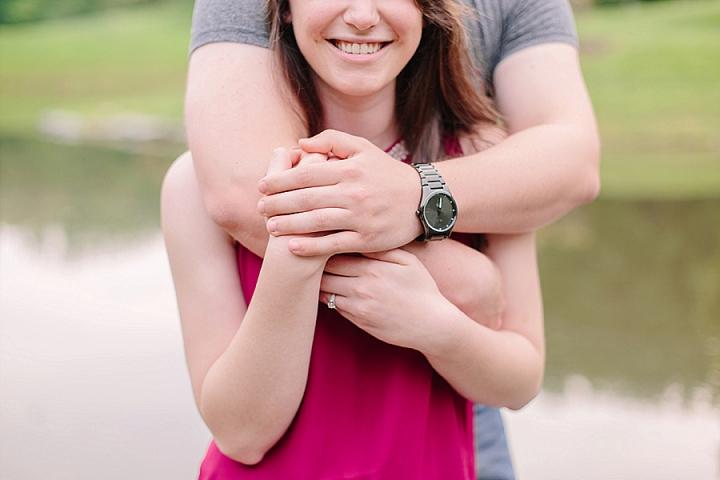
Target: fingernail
293, 246
262, 186
261, 207
272, 227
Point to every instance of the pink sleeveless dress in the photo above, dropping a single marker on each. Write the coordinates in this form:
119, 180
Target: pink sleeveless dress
371, 411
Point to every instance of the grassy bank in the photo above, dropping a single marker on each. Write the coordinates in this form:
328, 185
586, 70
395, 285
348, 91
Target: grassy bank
131, 59
653, 71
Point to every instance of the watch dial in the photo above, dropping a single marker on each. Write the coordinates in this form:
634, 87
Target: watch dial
440, 212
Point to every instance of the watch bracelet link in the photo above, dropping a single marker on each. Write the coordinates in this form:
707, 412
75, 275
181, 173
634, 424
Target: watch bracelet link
430, 181
429, 176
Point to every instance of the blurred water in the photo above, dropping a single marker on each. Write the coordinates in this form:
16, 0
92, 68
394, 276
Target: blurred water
93, 382
92, 376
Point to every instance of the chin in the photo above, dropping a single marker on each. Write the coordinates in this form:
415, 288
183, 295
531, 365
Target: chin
362, 87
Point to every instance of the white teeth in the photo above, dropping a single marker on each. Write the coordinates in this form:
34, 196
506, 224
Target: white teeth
358, 48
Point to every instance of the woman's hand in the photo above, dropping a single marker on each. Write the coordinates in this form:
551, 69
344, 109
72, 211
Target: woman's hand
282, 160
390, 295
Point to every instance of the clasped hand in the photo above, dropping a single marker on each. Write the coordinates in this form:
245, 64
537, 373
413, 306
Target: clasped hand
365, 203
376, 291
391, 294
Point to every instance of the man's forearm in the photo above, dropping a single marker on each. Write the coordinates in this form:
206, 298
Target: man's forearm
528, 180
549, 164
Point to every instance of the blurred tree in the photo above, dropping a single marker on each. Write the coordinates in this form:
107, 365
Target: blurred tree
20, 11
584, 4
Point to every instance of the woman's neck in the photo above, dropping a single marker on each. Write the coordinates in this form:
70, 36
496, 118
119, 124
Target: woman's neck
371, 117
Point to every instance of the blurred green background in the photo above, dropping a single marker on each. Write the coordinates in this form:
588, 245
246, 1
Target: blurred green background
631, 282
653, 71
91, 105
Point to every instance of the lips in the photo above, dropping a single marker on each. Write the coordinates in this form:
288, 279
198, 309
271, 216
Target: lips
365, 48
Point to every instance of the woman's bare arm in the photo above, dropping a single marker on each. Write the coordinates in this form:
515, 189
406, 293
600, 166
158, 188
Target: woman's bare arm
248, 364
393, 297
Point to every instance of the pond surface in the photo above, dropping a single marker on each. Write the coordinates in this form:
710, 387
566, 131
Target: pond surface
93, 381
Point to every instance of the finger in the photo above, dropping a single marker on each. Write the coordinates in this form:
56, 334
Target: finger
340, 144
345, 241
282, 160
346, 265
340, 286
303, 176
340, 301
396, 255
295, 156
308, 158
315, 221
304, 200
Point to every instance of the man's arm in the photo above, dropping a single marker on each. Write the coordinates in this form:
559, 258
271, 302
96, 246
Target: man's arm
547, 166
235, 117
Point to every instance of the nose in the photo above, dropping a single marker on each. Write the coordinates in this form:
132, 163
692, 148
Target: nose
362, 14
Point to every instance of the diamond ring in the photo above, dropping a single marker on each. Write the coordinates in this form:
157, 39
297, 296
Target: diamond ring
331, 302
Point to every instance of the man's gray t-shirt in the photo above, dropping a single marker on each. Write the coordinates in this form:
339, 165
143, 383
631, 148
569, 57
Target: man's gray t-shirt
501, 28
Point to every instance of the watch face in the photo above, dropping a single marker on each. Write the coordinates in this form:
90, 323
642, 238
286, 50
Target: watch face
440, 212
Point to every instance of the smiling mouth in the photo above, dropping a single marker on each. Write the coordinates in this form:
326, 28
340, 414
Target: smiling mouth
358, 48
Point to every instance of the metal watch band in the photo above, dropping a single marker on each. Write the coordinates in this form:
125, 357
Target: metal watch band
429, 177
431, 181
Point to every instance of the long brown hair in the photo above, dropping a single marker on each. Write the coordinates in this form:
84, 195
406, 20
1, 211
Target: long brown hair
439, 92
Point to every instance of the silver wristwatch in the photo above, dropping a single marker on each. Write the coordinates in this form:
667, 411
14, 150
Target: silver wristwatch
437, 210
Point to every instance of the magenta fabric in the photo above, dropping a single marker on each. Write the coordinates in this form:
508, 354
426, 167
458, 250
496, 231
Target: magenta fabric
371, 411
452, 146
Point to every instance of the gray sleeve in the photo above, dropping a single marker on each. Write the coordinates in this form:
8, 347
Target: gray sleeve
532, 22
504, 27
241, 21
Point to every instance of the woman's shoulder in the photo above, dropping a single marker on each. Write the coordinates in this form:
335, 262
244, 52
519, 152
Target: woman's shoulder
182, 207
180, 182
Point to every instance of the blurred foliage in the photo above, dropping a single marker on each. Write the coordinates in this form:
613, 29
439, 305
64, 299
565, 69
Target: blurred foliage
21, 11
653, 73
652, 70
632, 295
95, 194
115, 61
579, 5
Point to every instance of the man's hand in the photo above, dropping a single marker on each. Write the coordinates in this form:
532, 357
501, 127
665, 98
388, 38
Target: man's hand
367, 200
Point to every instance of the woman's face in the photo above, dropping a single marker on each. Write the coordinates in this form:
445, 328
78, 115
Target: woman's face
356, 47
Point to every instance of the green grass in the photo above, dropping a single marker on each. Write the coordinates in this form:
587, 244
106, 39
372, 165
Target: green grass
124, 59
653, 72
652, 69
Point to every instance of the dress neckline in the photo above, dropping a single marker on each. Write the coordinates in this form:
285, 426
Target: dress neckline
398, 151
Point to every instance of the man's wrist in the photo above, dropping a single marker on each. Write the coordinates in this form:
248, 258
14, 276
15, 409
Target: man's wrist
437, 210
